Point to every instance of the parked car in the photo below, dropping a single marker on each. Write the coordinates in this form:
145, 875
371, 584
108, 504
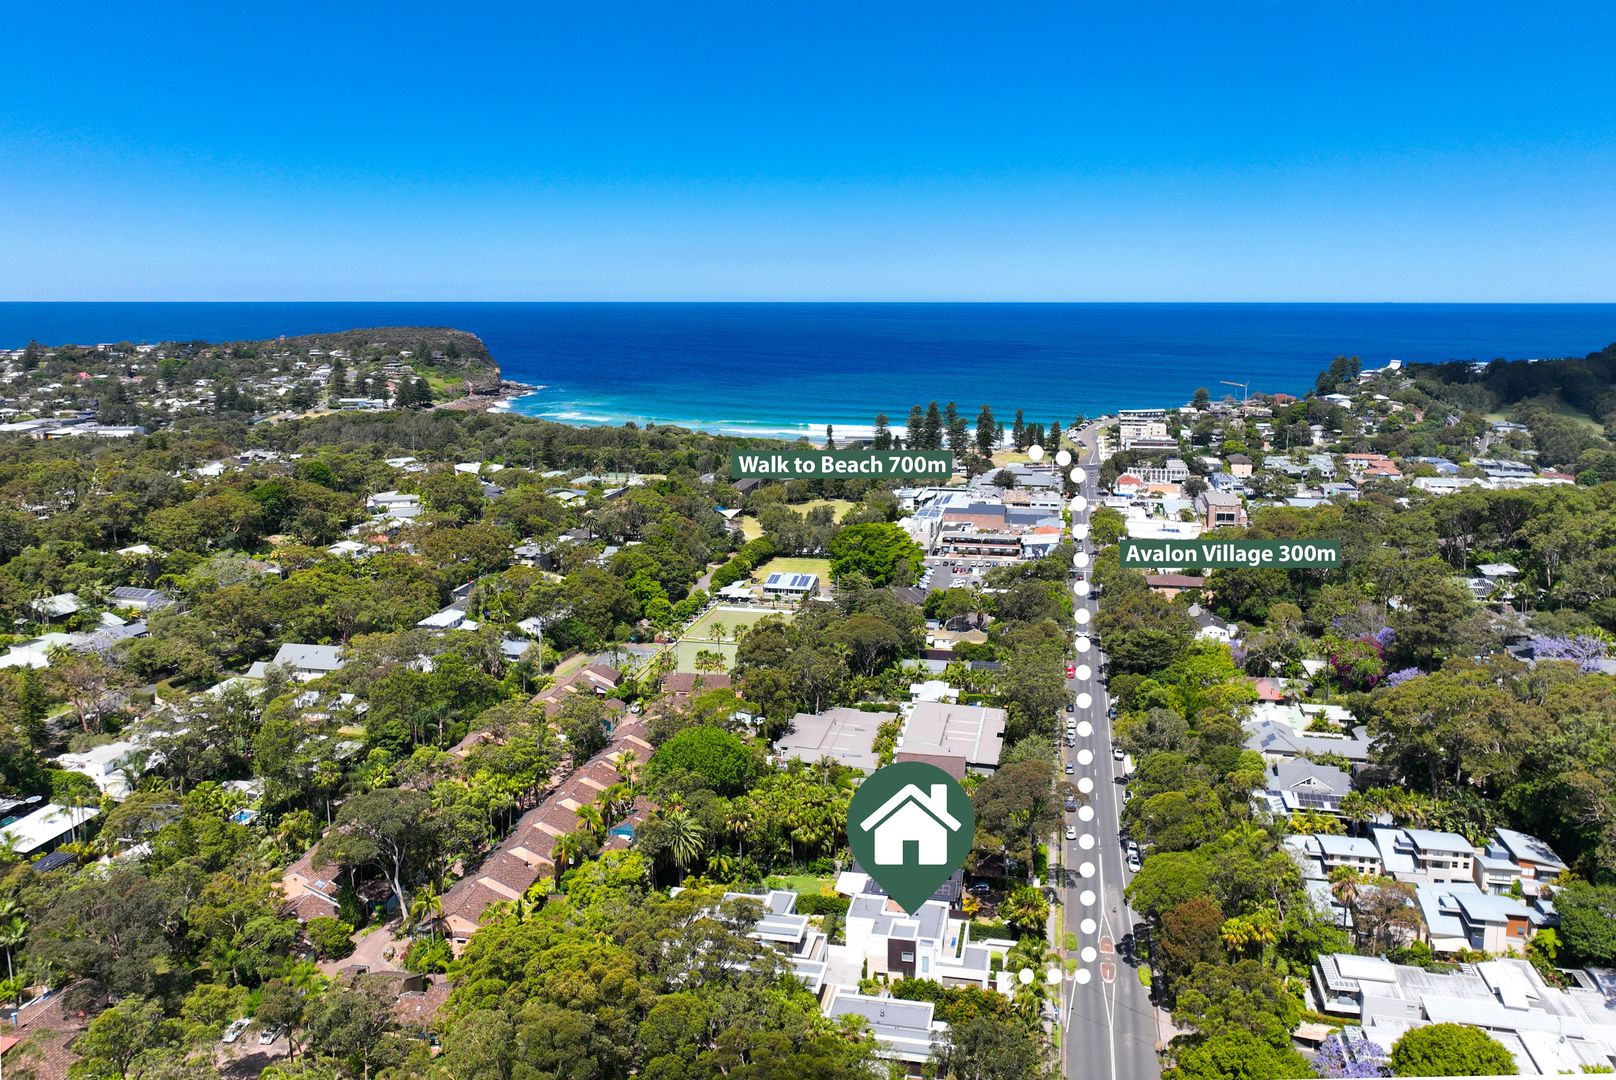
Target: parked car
1071, 804
1070, 768
1133, 864
1070, 707
1118, 753
1071, 671
981, 887
268, 1035
233, 1032
1071, 832
1127, 794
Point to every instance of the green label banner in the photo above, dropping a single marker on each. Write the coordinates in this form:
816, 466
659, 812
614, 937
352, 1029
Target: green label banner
830, 464
1213, 553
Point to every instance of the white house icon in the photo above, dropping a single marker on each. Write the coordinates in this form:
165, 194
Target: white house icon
912, 816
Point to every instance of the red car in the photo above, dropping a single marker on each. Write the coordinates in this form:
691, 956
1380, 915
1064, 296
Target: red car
1071, 671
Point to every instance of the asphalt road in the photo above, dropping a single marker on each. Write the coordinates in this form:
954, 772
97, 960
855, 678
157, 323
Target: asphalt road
1109, 1025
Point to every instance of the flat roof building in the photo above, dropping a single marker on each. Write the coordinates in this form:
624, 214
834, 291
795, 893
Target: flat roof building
845, 735
956, 738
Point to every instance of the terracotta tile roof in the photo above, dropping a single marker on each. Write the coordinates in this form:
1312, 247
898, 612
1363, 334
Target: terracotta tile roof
310, 906
47, 1028
683, 683
952, 764
311, 875
523, 857
420, 1008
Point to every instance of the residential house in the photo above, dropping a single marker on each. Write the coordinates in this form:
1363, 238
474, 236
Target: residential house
1425, 855
904, 1029
884, 939
1212, 627
1458, 916
1220, 508
1278, 741
56, 607
683, 685
1511, 857
1333, 852
306, 662
127, 596
110, 766
1170, 585
46, 828
311, 889
1305, 786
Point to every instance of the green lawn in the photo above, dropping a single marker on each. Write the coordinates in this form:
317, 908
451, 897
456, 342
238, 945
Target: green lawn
803, 884
838, 507
751, 528
705, 635
784, 565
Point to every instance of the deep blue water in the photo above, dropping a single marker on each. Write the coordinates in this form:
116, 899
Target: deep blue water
797, 367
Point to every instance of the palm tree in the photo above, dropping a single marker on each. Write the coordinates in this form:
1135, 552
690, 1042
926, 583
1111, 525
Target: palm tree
426, 907
568, 847
13, 930
686, 840
593, 822
1026, 909
738, 820
616, 802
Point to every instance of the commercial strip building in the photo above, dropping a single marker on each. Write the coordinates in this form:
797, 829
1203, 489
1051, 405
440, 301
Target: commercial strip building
958, 739
844, 735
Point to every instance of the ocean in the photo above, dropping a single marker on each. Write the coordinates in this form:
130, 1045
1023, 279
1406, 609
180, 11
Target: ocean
791, 369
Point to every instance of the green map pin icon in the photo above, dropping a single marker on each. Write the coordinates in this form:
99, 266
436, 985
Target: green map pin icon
910, 826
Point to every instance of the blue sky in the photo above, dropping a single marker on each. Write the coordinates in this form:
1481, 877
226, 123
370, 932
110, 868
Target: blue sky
1225, 150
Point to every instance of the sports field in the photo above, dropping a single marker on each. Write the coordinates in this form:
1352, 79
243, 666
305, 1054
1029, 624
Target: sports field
715, 632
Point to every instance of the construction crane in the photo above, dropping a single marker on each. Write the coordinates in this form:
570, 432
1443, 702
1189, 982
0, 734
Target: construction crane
1245, 388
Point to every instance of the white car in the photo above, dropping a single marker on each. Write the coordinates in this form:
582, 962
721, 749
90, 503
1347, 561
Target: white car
1133, 863
1117, 753
233, 1032
268, 1035
1071, 832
